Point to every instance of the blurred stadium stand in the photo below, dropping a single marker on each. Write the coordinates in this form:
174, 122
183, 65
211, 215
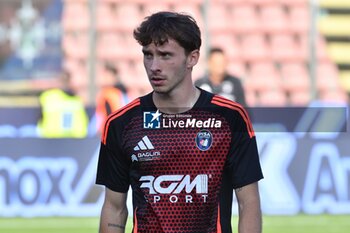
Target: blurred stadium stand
267, 42
333, 24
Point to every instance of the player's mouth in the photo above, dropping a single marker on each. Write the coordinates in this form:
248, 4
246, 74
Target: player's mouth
157, 81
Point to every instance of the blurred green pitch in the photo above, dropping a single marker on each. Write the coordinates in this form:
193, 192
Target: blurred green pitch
272, 224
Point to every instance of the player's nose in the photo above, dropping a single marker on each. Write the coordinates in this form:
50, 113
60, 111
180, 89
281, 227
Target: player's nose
155, 66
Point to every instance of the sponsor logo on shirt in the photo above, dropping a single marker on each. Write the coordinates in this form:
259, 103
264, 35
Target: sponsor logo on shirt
175, 184
144, 151
144, 144
191, 123
151, 120
156, 120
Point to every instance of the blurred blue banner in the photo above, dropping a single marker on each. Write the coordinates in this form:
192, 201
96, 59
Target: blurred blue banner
45, 177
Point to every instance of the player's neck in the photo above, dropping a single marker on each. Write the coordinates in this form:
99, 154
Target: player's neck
176, 102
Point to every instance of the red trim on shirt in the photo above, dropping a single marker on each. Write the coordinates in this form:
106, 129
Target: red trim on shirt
218, 100
117, 114
135, 222
218, 221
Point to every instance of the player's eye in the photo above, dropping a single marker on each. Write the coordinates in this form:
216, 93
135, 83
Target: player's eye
165, 55
147, 55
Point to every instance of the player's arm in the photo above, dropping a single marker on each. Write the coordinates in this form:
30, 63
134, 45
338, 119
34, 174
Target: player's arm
249, 209
114, 212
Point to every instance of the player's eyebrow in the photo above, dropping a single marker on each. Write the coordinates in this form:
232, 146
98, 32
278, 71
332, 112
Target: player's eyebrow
158, 51
145, 51
162, 53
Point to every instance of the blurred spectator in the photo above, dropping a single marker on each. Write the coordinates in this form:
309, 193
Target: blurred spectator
63, 113
112, 96
218, 81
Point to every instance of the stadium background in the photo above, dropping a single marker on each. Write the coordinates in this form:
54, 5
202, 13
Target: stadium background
288, 53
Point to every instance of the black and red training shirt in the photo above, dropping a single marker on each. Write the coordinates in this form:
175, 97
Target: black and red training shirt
182, 167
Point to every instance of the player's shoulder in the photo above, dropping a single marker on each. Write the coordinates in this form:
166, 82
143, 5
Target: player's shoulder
219, 103
129, 110
234, 111
224, 103
118, 119
228, 107
125, 110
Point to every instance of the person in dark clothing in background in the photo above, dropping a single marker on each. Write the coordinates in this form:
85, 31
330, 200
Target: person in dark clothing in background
218, 81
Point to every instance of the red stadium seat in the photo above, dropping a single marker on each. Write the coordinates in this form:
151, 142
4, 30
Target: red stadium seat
76, 46
294, 2
128, 16
284, 48
237, 68
300, 98
295, 77
244, 19
218, 18
262, 3
150, 7
79, 81
299, 19
229, 2
134, 49
192, 9
263, 68
273, 98
327, 76
336, 95
254, 48
263, 76
274, 19
251, 98
111, 46
75, 16
101, 80
106, 19
229, 43
70, 63
136, 79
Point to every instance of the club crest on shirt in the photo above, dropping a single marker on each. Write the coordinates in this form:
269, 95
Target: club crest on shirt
204, 140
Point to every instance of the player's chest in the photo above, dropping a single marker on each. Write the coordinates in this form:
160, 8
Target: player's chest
177, 146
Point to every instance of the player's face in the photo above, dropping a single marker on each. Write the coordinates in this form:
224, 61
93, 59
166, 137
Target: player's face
167, 66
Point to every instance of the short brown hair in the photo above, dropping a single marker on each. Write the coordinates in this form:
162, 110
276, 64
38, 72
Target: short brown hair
161, 26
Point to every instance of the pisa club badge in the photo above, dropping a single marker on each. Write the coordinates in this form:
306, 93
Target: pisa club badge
204, 140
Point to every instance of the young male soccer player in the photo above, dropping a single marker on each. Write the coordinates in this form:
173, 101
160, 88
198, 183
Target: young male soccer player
183, 150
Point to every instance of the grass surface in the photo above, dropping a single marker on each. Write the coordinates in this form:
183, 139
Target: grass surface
272, 224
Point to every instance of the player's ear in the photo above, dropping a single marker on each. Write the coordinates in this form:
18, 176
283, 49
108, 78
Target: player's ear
192, 58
